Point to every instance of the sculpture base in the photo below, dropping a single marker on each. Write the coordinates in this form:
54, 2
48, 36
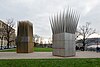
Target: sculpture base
64, 44
25, 48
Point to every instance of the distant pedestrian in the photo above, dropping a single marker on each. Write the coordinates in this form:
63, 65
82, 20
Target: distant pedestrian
97, 49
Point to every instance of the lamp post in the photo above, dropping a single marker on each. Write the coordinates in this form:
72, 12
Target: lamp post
97, 49
97, 46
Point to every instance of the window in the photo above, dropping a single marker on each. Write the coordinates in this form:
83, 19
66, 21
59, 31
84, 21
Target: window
0, 24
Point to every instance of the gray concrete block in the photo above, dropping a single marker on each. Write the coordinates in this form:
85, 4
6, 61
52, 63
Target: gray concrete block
64, 44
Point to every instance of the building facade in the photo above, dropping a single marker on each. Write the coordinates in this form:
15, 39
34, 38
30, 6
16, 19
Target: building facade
3, 40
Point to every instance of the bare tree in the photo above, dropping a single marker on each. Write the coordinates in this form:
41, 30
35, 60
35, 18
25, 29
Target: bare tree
85, 31
41, 42
9, 31
36, 39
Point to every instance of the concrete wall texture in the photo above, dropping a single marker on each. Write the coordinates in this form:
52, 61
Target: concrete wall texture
64, 44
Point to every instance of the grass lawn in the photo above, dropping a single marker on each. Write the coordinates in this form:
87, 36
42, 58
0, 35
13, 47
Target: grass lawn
76, 62
34, 49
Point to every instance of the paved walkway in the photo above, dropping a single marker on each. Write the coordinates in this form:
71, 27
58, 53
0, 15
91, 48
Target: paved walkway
38, 55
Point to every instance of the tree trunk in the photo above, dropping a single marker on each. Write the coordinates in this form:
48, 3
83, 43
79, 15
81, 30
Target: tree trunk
83, 44
8, 40
8, 44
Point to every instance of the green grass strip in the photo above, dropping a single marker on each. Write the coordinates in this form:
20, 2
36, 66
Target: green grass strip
76, 62
34, 49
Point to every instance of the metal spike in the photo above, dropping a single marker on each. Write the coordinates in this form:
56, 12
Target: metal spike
65, 22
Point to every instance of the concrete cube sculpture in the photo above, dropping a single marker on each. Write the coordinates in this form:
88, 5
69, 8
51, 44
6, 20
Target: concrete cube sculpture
24, 39
63, 29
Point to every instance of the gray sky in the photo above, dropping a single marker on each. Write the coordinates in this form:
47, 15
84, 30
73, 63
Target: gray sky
39, 11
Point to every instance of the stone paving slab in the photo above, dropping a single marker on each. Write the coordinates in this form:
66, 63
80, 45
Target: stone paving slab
42, 55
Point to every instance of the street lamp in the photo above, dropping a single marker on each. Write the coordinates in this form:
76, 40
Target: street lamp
97, 48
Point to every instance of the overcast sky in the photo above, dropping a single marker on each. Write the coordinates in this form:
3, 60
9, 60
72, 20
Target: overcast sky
39, 11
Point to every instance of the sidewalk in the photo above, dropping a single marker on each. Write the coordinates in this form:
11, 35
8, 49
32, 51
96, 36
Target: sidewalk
41, 55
